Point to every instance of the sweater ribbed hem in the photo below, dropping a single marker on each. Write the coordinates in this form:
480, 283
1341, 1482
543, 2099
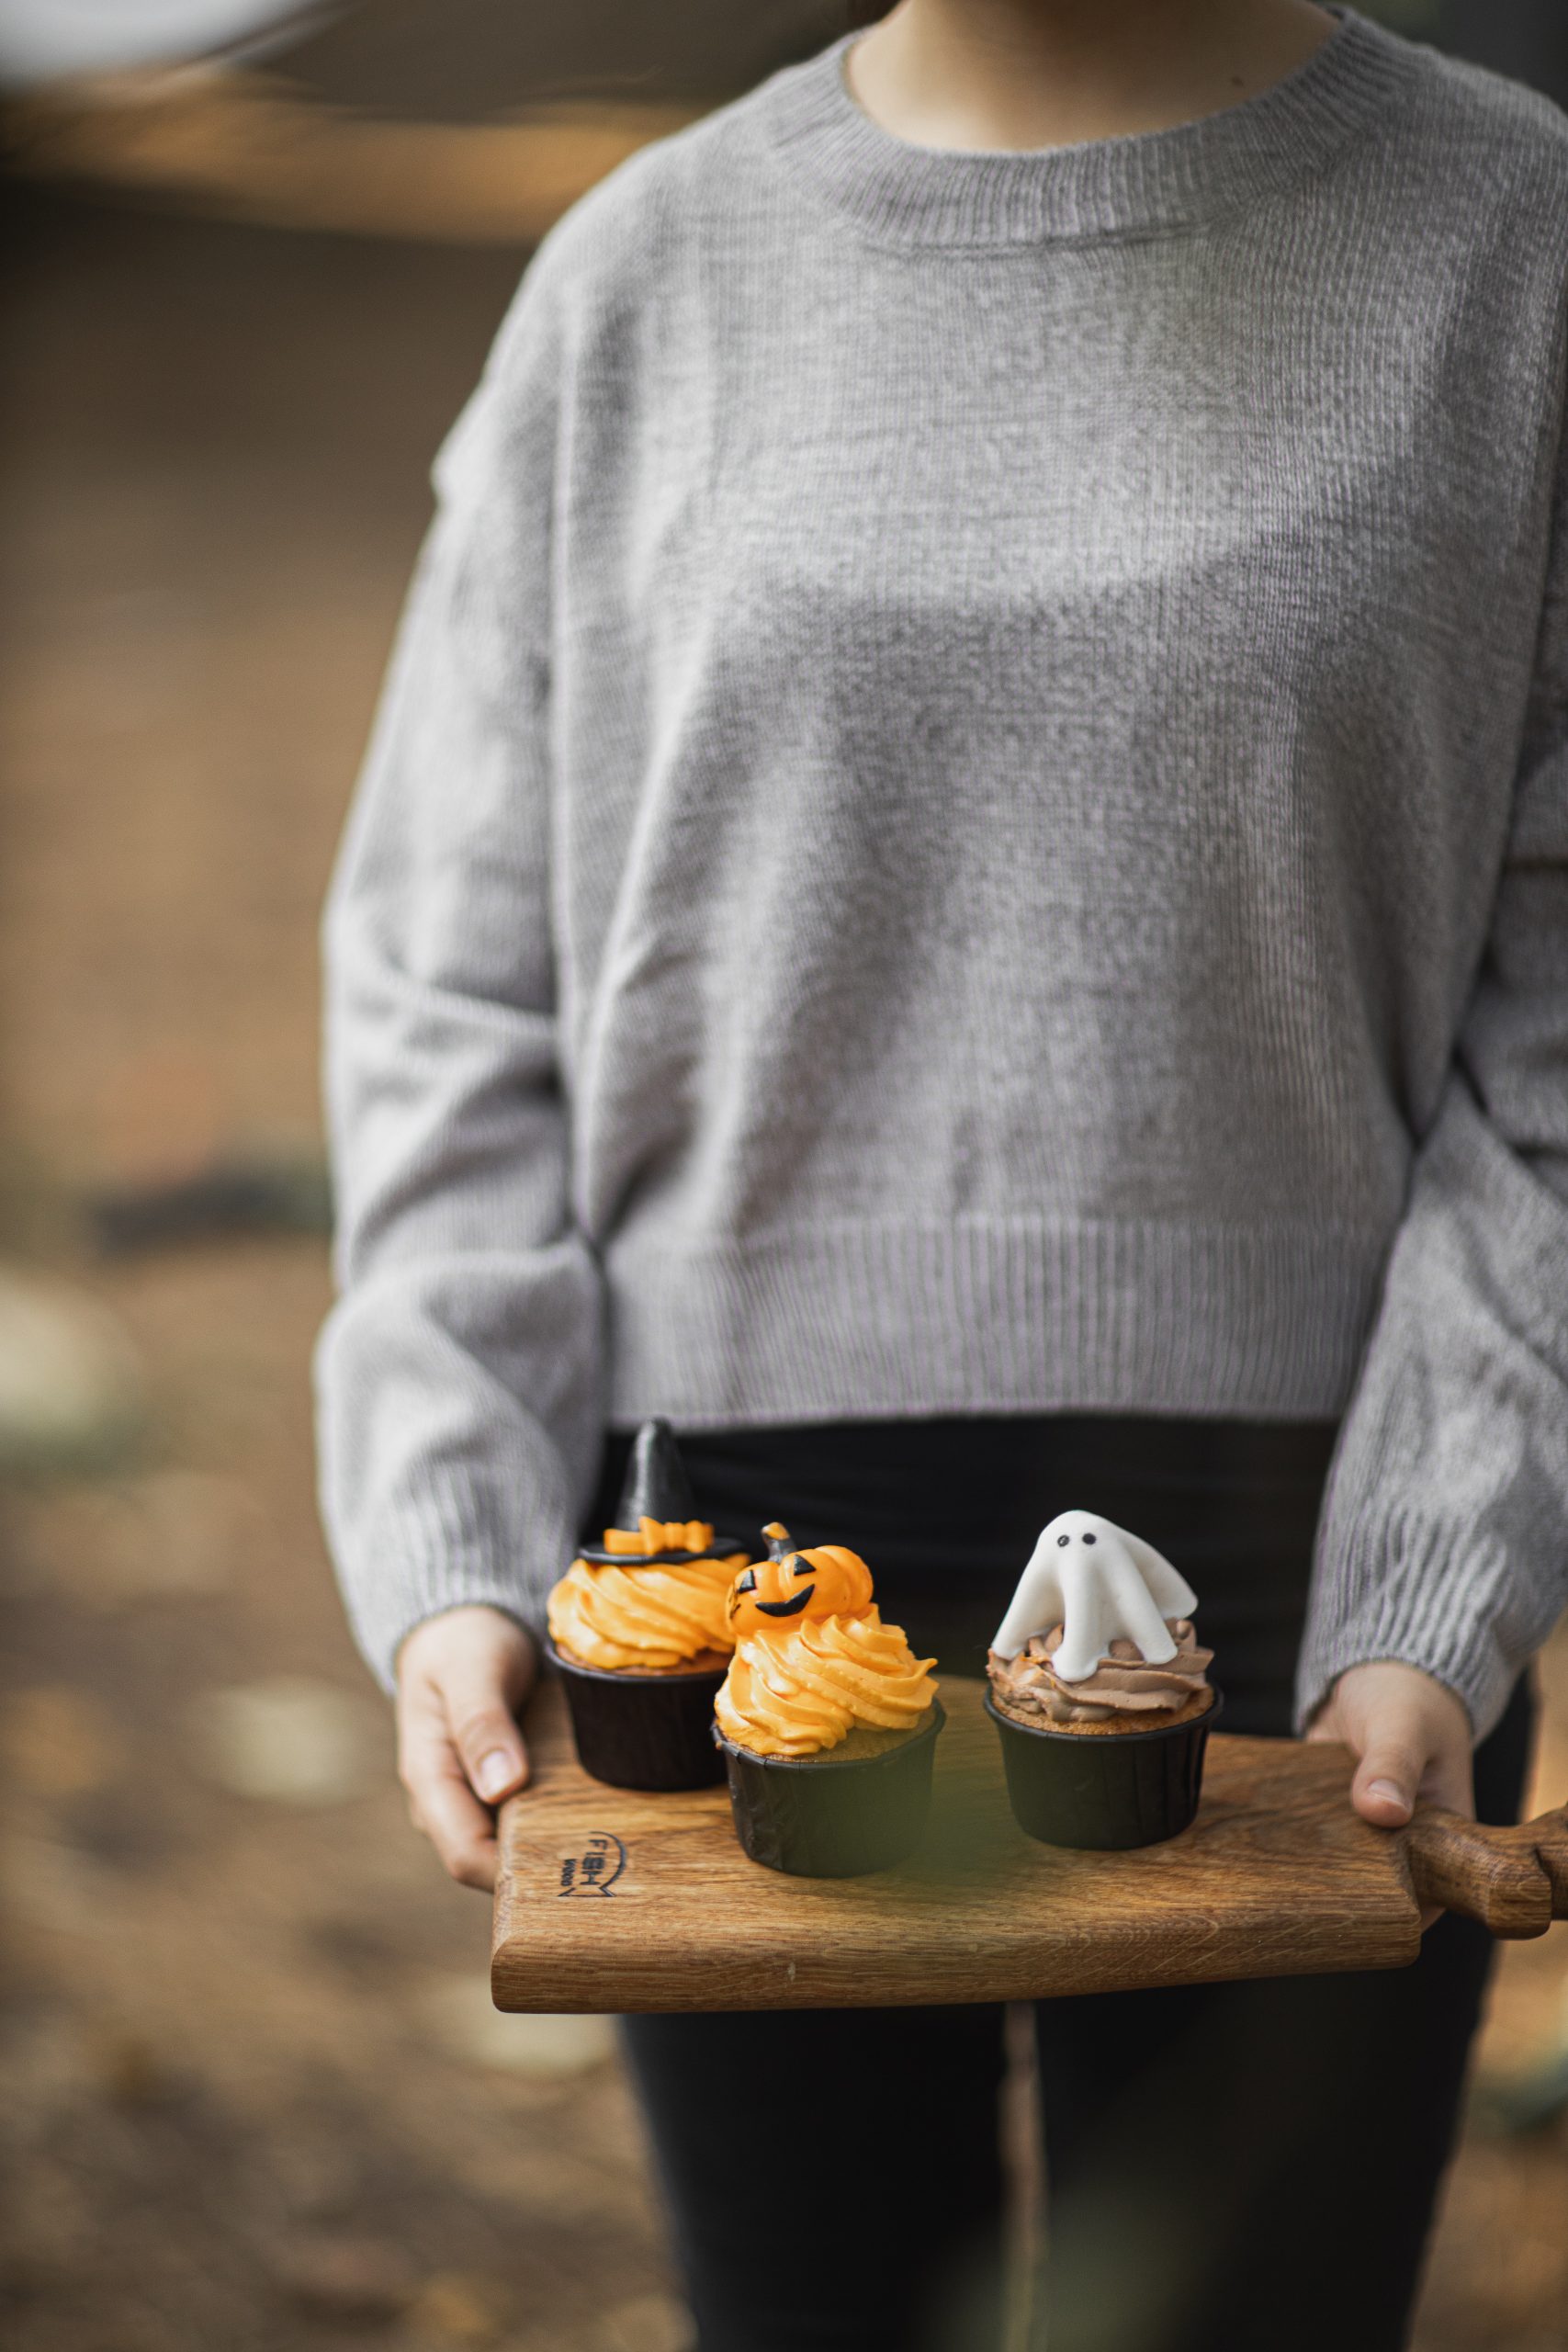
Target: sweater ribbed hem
452, 1533
868, 1321
441, 1551
1441, 1539
405, 1592
1409, 1593
1153, 182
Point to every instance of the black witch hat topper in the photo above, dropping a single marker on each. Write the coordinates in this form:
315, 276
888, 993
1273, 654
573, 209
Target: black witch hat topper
657, 1487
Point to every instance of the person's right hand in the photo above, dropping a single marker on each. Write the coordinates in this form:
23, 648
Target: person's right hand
461, 1679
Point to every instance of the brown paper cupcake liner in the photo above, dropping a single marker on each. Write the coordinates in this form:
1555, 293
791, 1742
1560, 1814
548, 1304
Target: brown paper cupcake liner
817, 1818
1109, 1792
642, 1731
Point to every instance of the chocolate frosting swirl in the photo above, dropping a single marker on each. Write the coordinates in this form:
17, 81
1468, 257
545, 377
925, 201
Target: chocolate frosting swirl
1124, 1683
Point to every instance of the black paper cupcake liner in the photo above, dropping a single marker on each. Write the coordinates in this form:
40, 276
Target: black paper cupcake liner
1107, 1791
642, 1731
817, 1816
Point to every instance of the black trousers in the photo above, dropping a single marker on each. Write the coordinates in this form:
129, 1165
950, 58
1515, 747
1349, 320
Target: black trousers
1231, 2167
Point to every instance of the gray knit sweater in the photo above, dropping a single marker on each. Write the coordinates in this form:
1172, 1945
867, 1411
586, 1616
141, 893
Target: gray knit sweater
971, 815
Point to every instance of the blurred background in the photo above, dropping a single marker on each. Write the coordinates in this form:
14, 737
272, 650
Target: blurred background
253, 2094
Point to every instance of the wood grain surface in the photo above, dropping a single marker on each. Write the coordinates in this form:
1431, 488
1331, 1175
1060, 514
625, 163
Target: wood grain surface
612, 1899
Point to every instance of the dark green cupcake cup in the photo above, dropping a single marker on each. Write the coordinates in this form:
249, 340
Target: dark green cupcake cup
817, 1818
642, 1731
1104, 1791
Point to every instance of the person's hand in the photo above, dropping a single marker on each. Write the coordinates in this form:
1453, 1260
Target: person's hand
461, 1678
1411, 1738
1411, 1741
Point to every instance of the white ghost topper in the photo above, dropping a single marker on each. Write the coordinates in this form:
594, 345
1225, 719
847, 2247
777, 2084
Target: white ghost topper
1100, 1585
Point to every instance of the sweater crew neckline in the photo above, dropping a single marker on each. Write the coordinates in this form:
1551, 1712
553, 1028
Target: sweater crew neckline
1148, 182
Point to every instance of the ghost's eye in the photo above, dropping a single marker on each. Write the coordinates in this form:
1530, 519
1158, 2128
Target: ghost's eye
1063, 1542
1091, 1539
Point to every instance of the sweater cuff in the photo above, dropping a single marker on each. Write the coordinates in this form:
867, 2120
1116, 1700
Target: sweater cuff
443, 1558
1411, 1594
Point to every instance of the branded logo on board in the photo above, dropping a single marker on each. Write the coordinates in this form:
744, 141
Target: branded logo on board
596, 1869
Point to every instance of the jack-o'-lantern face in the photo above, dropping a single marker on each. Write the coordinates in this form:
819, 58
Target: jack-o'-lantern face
774, 1594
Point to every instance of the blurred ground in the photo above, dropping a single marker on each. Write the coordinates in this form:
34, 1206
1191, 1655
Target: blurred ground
253, 2094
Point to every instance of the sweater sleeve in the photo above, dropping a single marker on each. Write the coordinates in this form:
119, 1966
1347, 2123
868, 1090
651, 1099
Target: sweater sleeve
1444, 1539
458, 1377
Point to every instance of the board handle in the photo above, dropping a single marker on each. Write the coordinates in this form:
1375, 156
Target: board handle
1514, 1880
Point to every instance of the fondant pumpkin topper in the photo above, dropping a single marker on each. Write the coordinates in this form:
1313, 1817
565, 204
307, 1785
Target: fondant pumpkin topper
1100, 1585
780, 1592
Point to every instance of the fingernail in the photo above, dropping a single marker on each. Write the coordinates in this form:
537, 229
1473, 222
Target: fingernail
1387, 1791
496, 1771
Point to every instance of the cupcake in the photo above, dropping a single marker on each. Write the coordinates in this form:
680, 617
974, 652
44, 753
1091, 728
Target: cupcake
1099, 1689
826, 1719
639, 1631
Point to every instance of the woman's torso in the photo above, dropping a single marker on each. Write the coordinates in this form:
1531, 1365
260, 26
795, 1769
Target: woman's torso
1035, 716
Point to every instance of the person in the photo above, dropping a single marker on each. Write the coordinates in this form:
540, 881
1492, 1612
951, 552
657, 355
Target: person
961, 887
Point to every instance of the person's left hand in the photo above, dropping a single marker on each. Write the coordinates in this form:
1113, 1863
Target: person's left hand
1411, 1737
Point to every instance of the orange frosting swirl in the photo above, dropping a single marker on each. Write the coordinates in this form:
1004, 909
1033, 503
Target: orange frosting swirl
643, 1619
798, 1691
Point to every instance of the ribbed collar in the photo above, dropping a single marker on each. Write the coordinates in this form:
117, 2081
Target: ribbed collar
1154, 181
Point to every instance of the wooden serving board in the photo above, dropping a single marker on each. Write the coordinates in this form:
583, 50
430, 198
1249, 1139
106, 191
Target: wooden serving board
609, 1899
